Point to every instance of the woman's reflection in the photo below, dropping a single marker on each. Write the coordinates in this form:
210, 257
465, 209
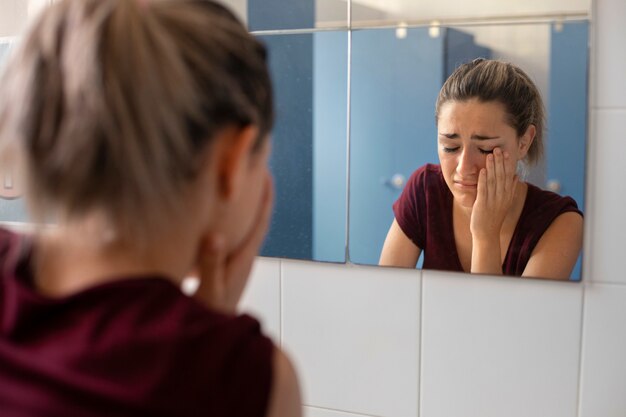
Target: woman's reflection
471, 213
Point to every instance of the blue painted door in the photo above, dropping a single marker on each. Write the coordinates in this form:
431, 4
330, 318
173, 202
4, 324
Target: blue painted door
567, 112
395, 82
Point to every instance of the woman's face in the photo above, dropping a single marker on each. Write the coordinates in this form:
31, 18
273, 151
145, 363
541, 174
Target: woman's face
467, 132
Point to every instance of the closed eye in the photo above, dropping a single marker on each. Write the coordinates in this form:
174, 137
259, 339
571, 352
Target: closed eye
450, 150
486, 151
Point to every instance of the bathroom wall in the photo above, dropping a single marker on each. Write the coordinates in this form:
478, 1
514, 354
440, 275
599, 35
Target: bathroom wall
399, 343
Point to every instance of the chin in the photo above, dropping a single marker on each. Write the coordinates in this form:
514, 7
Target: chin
465, 200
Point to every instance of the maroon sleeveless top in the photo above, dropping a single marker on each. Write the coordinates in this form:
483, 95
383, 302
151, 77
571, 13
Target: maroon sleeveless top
132, 347
424, 213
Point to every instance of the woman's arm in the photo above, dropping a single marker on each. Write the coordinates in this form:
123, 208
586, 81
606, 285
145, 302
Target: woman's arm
556, 252
285, 395
398, 249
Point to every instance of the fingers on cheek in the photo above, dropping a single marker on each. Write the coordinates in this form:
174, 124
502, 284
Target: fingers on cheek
482, 183
501, 164
489, 162
492, 171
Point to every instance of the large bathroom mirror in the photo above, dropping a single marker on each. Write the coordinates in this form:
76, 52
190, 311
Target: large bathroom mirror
396, 76
399, 53
309, 157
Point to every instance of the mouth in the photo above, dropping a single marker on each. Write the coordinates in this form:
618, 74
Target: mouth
464, 185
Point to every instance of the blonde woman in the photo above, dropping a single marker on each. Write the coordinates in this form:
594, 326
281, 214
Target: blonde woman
142, 130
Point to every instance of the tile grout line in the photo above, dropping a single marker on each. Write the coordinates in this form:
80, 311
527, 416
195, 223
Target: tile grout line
421, 345
590, 161
581, 346
341, 411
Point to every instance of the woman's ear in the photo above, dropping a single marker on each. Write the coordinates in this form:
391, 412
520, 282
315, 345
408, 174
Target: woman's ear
526, 141
234, 150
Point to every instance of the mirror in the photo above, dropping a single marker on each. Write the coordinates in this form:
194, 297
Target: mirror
309, 149
309, 162
396, 77
399, 52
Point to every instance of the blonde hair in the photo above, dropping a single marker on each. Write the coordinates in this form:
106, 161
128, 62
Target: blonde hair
109, 103
489, 80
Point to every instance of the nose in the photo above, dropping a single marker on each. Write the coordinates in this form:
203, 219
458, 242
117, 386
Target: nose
467, 165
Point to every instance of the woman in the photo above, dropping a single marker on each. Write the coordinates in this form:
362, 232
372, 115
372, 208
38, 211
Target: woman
471, 213
142, 129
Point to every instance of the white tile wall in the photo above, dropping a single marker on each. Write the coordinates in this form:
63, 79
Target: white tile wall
16, 14
603, 382
13, 17
610, 54
499, 346
609, 183
354, 335
261, 297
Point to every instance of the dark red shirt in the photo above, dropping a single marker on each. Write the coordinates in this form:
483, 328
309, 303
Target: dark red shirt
424, 213
130, 347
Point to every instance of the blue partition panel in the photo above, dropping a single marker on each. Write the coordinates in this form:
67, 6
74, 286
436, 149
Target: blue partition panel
567, 112
395, 82
330, 109
281, 14
291, 66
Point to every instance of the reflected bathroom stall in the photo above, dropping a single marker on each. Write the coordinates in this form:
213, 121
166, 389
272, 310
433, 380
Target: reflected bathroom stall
309, 142
396, 77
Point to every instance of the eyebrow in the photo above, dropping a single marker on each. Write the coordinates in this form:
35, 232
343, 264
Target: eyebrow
476, 137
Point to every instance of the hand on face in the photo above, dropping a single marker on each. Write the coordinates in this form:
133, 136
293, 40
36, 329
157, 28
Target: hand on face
494, 196
223, 276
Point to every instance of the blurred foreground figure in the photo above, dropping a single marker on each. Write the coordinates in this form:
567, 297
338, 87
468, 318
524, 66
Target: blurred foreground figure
140, 130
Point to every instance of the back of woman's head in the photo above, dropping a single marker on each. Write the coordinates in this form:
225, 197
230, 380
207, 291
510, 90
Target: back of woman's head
490, 80
109, 103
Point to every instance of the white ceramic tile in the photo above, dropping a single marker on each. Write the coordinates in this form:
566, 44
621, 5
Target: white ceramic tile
606, 187
261, 297
321, 412
603, 377
610, 53
494, 347
590, 198
353, 332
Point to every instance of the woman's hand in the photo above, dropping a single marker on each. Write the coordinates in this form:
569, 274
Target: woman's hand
494, 197
223, 276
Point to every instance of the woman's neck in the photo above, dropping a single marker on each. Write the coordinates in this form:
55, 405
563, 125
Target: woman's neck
66, 262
